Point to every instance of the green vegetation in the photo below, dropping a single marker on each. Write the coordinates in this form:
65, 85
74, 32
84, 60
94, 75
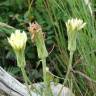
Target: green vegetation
52, 15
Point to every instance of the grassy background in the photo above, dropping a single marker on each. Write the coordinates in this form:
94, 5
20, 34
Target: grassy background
52, 15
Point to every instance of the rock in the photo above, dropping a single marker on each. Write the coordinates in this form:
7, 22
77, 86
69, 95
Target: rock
13, 87
56, 89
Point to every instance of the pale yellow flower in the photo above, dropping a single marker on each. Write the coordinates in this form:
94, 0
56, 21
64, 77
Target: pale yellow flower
18, 40
73, 26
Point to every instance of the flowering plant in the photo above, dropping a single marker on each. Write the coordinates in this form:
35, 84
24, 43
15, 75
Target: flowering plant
18, 42
73, 26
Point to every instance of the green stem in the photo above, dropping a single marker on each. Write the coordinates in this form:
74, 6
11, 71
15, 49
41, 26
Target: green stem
44, 76
47, 90
44, 71
25, 79
21, 64
68, 71
69, 67
32, 86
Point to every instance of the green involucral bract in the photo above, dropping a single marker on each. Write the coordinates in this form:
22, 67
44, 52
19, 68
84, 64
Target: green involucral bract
41, 48
72, 41
20, 58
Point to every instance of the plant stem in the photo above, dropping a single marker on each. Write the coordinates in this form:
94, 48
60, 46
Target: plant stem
68, 71
44, 75
44, 71
69, 67
25, 79
32, 86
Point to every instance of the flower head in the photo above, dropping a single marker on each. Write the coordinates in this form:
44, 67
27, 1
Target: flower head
34, 29
73, 26
18, 40
38, 38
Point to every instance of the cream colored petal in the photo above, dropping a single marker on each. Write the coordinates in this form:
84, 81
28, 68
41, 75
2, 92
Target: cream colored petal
18, 40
